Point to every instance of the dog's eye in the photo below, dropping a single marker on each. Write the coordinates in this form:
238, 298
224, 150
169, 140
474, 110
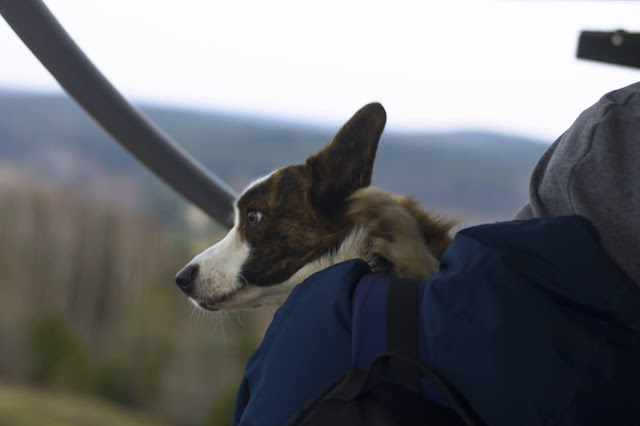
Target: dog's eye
254, 217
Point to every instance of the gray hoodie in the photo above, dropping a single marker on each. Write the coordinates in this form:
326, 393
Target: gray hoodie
593, 170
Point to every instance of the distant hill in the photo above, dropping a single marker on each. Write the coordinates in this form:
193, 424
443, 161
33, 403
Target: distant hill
477, 175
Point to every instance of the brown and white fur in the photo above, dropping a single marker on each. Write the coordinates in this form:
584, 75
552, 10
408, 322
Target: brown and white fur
306, 217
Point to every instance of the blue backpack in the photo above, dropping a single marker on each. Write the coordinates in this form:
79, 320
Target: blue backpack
388, 392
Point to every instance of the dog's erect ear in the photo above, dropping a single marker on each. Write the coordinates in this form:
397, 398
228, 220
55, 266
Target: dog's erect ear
346, 164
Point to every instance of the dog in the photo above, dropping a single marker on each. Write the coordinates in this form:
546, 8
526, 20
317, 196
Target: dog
306, 217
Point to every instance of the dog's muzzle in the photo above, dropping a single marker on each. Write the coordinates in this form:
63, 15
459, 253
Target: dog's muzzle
186, 278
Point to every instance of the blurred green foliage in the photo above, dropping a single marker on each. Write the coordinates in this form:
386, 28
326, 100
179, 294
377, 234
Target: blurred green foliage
88, 304
221, 412
57, 353
244, 342
60, 357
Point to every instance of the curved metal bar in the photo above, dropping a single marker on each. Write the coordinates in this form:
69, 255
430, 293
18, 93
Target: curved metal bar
46, 38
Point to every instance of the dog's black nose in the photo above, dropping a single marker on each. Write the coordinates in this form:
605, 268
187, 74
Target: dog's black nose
186, 277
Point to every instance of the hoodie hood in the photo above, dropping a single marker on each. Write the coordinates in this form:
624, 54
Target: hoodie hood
593, 170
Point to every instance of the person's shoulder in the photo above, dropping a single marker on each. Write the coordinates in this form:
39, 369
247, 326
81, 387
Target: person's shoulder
548, 237
560, 254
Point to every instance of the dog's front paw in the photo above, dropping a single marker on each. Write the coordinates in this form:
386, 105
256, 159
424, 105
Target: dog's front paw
395, 233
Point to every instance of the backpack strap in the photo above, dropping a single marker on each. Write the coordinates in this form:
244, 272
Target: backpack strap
402, 344
402, 330
389, 304
384, 386
400, 363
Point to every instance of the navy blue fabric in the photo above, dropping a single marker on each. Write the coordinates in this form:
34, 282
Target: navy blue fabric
306, 347
530, 321
369, 320
370, 330
534, 324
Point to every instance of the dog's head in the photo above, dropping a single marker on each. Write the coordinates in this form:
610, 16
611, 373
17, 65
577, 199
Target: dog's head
288, 224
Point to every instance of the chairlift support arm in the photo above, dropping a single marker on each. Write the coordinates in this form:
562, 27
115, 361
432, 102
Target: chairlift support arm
614, 47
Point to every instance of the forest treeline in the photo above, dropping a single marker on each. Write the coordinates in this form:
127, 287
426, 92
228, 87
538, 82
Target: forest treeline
88, 304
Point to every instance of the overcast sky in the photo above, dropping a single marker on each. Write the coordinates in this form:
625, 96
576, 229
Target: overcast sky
498, 65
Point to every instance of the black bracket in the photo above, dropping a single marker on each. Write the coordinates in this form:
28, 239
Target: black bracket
614, 47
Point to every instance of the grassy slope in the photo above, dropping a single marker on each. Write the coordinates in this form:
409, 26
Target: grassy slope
22, 406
